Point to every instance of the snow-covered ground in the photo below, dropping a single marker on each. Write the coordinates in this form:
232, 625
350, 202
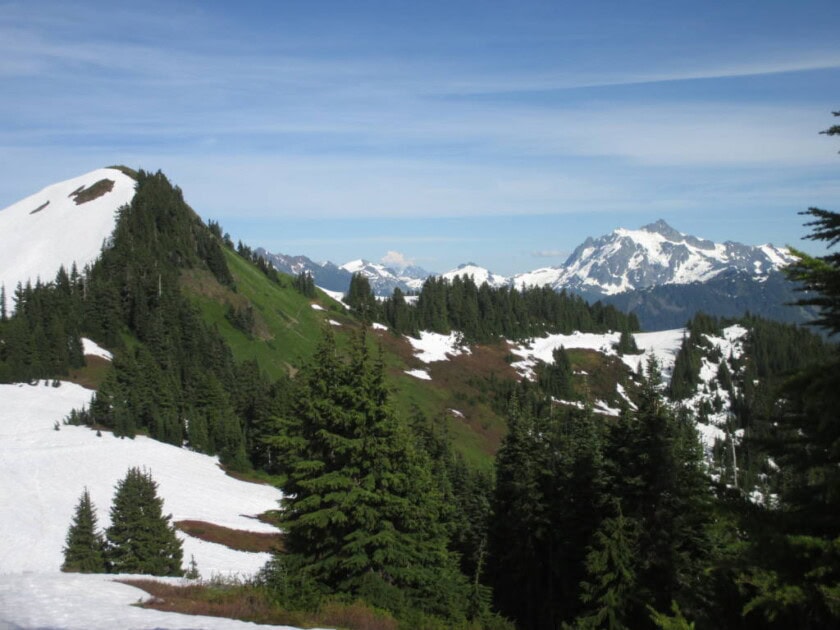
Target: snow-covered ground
423, 375
92, 349
664, 345
338, 296
436, 347
91, 602
43, 472
731, 344
48, 229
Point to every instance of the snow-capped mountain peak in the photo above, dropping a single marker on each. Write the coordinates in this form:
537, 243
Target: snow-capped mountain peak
479, 275
652, 255
62, 224
369, 269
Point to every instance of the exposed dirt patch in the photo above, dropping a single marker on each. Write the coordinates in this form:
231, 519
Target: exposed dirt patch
83, 195
237, 539
93, 374
602, 374
249, 603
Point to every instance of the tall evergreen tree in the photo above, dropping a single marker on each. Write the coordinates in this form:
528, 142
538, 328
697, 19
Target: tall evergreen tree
141, 538
84, 550
547, 504
362, 514
656, 473
795, 580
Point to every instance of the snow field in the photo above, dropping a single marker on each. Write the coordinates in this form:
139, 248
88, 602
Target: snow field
44, 471
664, 345
436, 347
91, 348
72, 601
423, 375
36, 243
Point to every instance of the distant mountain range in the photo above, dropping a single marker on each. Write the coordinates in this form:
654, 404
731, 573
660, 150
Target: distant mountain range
327, 275
662, 275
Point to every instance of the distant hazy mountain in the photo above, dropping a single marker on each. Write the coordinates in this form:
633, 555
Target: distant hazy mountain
326, 275
383, 280
654, 255
665, 276
662, 275
479, 275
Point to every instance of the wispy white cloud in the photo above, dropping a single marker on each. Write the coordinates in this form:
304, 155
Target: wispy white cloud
395, 259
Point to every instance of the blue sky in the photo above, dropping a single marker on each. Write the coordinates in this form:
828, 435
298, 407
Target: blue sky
502, 133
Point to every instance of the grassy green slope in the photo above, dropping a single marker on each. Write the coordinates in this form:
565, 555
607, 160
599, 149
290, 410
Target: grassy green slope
287, 329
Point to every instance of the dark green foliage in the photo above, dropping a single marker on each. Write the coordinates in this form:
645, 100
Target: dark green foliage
627, 343
305, 284
400, 316
548, 502
242, 318
141, 538
362, 511
791, 575
555, 378
361, 299
84, 550
43, 337
483, 314
656, 472
168, 364
611, 565
686, 374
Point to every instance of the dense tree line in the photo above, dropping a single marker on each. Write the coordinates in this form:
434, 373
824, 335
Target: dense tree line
592, 522
484, 313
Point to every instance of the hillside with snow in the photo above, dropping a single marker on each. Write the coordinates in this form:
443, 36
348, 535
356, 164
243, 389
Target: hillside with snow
65, 223
43, 471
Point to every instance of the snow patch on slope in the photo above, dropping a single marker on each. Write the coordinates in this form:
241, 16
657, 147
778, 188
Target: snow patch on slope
663, 344
43, 473
92, 602
436, 347
423, 375
49, 229
92, 349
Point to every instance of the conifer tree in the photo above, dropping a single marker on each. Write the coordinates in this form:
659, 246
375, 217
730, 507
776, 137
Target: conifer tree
141, 538
656, 472
611, 569
362, 515
360, 297
794, 580
84, 550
